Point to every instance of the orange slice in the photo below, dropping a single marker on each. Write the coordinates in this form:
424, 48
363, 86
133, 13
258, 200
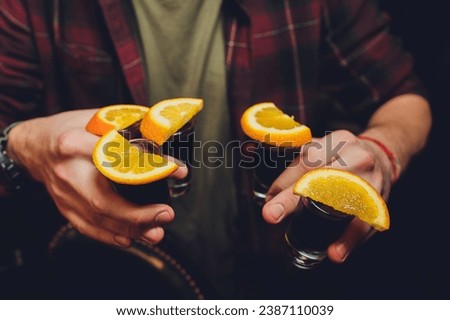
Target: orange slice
266, 123
120, 161
345, 192
115, 117
168, 116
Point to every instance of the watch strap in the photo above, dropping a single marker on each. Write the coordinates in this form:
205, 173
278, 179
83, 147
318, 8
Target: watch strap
10, 172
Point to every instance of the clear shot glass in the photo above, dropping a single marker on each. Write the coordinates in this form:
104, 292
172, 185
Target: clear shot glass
269, 162
180, 147
154, 192
311, 230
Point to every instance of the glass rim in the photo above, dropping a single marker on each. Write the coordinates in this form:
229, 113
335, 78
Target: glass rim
323, 209
145, 145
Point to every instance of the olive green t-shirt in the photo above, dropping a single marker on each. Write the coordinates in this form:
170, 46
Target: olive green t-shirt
184, 52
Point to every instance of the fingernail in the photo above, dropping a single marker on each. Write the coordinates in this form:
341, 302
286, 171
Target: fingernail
122, 241
163, 216
276, 210
152, 235
342, 251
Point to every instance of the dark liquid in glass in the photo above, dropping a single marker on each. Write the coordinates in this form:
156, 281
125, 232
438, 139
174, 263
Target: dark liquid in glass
311, 231
269, 163
132, 132
154, 192
180, 146
272, 162
316, 226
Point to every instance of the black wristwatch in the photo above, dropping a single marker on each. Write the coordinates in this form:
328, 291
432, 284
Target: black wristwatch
10, 172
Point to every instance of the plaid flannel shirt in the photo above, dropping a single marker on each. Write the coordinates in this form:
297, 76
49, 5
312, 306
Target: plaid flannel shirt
59, 55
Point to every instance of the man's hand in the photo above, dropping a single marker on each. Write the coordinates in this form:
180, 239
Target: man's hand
339, 149
57, 151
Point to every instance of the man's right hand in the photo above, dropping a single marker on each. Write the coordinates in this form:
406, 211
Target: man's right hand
57, 151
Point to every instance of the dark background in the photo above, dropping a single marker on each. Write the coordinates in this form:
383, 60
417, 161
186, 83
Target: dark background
410, 261
419, 202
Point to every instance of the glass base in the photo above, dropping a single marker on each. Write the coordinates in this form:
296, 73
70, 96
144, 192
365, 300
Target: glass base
259, 192
259, 197
178, 188
303, 258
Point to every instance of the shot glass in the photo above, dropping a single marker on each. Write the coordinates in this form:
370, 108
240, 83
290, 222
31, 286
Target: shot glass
154, 192
132, 131
269, 162
311, 230
180, 147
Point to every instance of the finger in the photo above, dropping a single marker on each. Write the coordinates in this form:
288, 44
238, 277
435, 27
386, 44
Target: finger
94, 232
287, 178
76, 142
111, 205
182, 170
153, 235
291, 174
281, 205
104, 200
120, 230
297, 168
355, 235
103, 206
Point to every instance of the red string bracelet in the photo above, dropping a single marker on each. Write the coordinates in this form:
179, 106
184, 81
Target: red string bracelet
388, 153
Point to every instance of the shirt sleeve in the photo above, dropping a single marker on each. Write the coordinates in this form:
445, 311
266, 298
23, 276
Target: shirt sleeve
362, 63
20, 75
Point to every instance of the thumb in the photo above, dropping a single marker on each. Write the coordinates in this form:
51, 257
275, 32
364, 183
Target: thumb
280, 206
